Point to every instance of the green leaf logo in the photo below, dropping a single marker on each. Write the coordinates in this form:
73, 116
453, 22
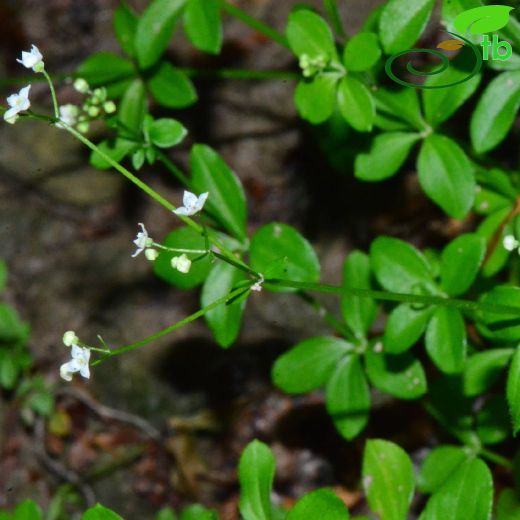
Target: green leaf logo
483, 19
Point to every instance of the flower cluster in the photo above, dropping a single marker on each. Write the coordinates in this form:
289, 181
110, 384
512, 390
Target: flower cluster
312, 66
80, 358
96, 105
143, 241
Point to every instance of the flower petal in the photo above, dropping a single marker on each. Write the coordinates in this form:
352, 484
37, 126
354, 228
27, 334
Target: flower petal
182, 211
189, 199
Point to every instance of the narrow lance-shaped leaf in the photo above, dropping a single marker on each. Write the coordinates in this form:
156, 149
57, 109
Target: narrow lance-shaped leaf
154, 30
468, 493
446, 175
322, 503
256, 474
358, 312
388, 479
513, 390
125, 25
309, 364
495, 111
226, 200
387, 154
348, 397
402, 22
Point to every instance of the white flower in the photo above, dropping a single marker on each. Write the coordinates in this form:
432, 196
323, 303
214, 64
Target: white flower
192, 203
181, 263
510, 242
32, 59
70, 338
258, 285
69, 115
142, 240
78, 363
18, 103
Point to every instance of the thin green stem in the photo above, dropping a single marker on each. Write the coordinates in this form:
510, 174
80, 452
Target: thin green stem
171, 328
149, 191
331, 6
241, 266
178, 250
173, 168
341, 328
466, 305
246, 74
496, 457
53, 94
255, 24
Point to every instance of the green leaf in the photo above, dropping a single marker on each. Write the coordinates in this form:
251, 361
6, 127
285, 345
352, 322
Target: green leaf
279, 251
483, 369
256, 474
226, 196
461, 261
508, 507
225, 320
27, 510
500, 326
468, 493
132, 110
98, 512
493, 423
446, 175
315, 100
405, 325
348, 397
487, 229
102, 68
361, 52
203, 26
166, 513
117, 151
11, 327
308, 33
402, 22
309, 364
42, 402
197, 512
358, 313
401, 376
166, 132
513, 390
125, 25
138, 158
446, 340
495, 111
402, 104
171, 87
154, 30
388, 479
3, 275
356, 104
183, 238
398, 266
387, 154
441, 103
321, 503
9, 369
440, 463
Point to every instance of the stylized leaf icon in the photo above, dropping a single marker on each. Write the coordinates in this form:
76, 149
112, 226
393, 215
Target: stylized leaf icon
484, 19
450, 45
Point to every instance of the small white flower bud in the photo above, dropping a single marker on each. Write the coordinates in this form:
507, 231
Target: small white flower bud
83, 127
70, 338
151, 254
81, 86
109, 107
510, 242
181, 263
93, 111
